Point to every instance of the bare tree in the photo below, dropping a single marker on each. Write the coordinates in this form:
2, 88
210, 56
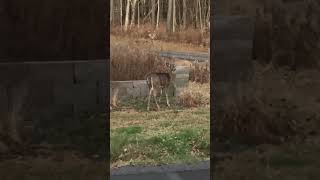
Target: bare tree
138, 14
126, 23
111, 11
200, 15
208, 15
169, 16
176, 13
153, 12
184, 16
121, 13
174, 20
158, 14
134, 3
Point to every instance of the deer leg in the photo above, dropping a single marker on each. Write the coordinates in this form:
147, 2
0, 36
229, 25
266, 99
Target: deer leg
166, 91
150, 91
160, 96
155, 99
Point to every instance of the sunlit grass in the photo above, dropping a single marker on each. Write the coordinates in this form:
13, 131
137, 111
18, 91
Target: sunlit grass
159, 137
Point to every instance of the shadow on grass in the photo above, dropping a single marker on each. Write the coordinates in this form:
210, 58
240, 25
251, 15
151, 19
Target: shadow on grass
140, 104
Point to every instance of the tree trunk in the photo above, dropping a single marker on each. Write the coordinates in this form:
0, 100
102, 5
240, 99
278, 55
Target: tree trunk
121, 13
126, 23
208, 15
200, 15
138, 14
111, 11
134, 3
169, 17
174, 21
153, 14
197, 14
158, 15
184, 16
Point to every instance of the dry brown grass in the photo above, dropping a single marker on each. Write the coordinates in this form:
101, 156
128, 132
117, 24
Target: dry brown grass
132, 63
195, 95
190, 35
200, 73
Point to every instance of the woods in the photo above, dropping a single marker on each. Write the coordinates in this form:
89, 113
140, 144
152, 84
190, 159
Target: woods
176, 15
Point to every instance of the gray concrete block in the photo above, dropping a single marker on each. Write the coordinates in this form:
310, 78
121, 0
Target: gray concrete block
182, 76
230, 47
61, 72
81, 94
91, 71
144, 91
102, 93
139, 83
133, 92
232, 68
63, 93
125, 84
85, 94
181, 82
52, 113
41, 93
10, 73
182, 70
122, 93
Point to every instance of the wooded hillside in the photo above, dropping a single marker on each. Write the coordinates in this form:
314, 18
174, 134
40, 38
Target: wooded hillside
176, 15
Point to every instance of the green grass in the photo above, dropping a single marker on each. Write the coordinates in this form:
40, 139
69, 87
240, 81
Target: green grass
170, 136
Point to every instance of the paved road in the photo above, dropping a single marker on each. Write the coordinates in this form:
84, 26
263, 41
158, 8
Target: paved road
186, 175
199, 171
201, 57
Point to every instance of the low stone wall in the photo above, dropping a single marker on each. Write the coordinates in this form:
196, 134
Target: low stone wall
122, 90
52, 91
231, 48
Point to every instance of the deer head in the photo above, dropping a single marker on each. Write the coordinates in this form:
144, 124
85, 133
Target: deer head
172, 67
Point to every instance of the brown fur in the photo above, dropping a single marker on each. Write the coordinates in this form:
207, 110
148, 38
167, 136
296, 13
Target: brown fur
159, 82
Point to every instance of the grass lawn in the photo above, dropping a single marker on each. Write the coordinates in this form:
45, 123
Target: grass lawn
171, 135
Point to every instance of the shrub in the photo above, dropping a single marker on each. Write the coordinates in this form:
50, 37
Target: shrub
132, 63
195, 95
200, 73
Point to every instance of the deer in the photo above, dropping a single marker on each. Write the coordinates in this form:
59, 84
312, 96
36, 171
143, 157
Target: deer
160, 82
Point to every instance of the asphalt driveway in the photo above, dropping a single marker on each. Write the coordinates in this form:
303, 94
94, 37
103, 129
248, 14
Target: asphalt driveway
167, 172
